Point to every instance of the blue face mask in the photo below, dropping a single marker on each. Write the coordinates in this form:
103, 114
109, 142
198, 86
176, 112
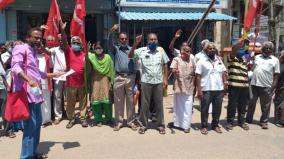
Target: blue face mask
152, 46
36, 91
10, 50
241, 53
75, 47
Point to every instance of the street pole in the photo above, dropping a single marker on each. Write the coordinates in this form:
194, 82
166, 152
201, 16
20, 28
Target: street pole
200, 23
271, 21
119, 10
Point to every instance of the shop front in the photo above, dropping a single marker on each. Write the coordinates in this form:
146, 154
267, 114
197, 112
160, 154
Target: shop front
24, 14
166, 17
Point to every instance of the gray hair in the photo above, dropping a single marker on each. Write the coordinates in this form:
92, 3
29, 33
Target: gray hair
207, 45
268, 44
203, 42
73, 38
50, 37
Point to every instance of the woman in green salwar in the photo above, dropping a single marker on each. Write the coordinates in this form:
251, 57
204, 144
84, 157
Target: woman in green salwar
99, 74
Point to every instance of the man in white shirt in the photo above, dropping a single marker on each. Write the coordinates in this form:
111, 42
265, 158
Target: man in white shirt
59, 65
266, 71
211, 82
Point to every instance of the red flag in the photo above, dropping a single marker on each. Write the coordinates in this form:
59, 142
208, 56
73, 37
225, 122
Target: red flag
253, 8
77, 27
53, 20
5, 3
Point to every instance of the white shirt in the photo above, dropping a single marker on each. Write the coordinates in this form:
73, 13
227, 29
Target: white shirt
58, 60
211, 73
200, 55
177, 54
5, 56
42, 68
3, 73
264, 70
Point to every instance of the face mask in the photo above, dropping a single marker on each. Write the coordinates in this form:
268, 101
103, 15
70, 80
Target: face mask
246, 47
34, 44
50, 44
99, 51
10, 50
75, 47
241, 53
152, 46
123, 47
211, 56
35, 91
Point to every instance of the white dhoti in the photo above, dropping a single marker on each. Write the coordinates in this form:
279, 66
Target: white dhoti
46, 107
182, 110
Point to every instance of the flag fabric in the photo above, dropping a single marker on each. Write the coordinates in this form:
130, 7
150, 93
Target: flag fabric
77, 27
251, 10
5, 3
53, 20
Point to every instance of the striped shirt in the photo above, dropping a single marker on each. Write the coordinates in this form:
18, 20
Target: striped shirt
238, 73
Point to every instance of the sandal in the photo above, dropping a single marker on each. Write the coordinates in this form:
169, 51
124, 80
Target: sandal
132, 126
40, 156
204, 131
162, 130
142, 130
217, 129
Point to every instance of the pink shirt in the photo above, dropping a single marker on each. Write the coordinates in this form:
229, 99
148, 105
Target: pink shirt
18, 64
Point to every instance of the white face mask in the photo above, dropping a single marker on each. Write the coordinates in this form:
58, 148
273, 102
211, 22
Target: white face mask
99, 51
36, 91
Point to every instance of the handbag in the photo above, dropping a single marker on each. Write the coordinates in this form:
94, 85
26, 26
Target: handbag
17, 108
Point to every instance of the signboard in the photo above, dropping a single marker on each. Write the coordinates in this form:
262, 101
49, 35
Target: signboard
174, 3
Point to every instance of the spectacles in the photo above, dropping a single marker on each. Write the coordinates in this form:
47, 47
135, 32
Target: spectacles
123, 38
268, 48
98, 48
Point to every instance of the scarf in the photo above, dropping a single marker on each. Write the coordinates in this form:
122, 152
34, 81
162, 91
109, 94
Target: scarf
103, 66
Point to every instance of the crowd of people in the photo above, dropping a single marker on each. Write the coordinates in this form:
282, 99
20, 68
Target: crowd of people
115, 81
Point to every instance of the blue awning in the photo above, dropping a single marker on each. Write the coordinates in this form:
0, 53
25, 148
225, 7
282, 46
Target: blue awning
173, 16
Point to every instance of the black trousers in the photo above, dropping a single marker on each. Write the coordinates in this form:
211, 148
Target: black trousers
216, 98
265, 96
238, 100
154, 92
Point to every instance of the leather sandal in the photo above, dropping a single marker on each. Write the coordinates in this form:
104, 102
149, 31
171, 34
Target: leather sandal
204, 131
162, 130
142, 130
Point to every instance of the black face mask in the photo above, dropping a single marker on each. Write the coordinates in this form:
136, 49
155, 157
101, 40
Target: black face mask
211, 56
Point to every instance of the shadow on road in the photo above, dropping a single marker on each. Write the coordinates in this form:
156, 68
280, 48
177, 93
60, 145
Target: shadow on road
44, 147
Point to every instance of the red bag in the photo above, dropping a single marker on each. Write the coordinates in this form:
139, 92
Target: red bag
17, 108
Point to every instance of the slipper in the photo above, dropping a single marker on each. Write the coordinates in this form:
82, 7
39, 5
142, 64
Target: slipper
204, 131
142, 130
162, 130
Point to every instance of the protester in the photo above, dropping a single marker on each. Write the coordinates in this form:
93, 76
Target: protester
75, 83
266, 71
59, 65
24, 58
238, 86
44, 66
211, 84
279, 95
124, 80
184, 70
100, 73
154, 61
175, 51
202, 53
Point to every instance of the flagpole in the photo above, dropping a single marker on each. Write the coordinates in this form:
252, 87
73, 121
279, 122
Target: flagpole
200, 23
258, 24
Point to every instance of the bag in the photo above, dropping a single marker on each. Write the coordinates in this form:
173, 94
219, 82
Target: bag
17, 108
